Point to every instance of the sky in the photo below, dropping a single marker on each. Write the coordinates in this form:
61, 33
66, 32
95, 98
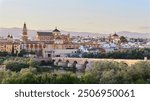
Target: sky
101, 16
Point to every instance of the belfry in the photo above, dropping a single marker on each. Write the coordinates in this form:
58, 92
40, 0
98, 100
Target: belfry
24, 34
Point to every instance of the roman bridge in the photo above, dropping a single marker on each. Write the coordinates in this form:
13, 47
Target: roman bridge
83, 63
91, 60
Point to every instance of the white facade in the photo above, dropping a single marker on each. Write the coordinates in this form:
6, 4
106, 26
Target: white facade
109, 47
57, 52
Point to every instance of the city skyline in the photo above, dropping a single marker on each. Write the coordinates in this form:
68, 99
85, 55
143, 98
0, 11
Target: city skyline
77, 15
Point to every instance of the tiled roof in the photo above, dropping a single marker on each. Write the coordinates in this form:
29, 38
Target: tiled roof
44, 33
58, 37
38, 42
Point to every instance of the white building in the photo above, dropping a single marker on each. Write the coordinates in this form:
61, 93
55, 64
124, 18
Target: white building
109, 47
57, 52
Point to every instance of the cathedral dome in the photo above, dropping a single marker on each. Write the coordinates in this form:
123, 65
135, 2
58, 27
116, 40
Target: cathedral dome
56, 30
115, 35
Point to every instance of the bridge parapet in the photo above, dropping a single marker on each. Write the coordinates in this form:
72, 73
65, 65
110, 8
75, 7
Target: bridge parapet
91, 60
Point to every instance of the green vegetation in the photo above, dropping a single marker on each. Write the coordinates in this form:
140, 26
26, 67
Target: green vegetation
4, 54
26, 71
123, 39
130, 54
24, 52
31, 76
2, 60
16, 64
119, 73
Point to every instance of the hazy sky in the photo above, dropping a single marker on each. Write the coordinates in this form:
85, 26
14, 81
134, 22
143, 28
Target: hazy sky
77, 15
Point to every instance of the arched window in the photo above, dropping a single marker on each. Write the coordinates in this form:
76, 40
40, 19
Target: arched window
36, 46
27, 46
40, 46
31, 46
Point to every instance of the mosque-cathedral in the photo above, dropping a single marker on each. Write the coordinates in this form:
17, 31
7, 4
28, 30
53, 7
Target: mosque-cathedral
44, 41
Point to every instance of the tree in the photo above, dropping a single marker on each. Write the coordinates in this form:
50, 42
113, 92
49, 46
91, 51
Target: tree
4, 54
67, 78
22, 52
108, 72
123, 39
15, 66
88, 78
139, 72
33, 63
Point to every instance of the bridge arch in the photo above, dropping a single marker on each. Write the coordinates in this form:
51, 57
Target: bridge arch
59, 60
67, 61
75, 62
86, 62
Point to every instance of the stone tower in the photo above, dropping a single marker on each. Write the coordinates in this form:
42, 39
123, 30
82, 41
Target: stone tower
24, 33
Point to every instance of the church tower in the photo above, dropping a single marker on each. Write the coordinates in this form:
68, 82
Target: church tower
24, 33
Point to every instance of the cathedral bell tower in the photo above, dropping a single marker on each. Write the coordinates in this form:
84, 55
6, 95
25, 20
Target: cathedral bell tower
24, 33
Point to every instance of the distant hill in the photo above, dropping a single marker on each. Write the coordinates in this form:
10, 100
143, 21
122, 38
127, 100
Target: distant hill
16, 32
134, 34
